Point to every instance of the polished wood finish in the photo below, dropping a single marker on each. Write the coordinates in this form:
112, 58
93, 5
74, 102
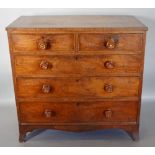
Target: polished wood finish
77, 73
114, 42
75, 22
78, 112
78, 65
32, 43
95, 87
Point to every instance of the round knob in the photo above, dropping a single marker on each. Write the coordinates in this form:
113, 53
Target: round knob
108, 88
42, 44
46, 88
109, 64
49, 113
44, 64
108, 113
110, 44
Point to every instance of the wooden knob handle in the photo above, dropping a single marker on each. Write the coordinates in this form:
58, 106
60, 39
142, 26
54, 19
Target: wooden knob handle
46, 88
49, 113
108, 88
43, 44
44, 64
110, 44
108, 113
109, 64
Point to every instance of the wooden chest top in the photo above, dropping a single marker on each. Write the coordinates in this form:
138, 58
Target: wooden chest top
78, 22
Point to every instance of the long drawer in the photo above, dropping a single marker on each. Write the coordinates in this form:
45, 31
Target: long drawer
32, 112
102, 87
77, 65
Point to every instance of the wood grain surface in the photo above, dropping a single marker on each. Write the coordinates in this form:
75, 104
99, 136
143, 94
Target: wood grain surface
78, 112
86, 65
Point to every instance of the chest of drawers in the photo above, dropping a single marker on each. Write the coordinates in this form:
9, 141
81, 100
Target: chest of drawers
77, 73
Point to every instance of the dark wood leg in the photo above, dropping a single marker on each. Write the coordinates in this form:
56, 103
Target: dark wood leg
133, 133
23, 132
32, 130
22, 137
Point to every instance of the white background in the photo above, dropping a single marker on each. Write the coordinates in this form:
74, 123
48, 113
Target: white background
147, 16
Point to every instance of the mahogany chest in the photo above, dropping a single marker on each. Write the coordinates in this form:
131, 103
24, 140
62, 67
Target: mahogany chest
77, 73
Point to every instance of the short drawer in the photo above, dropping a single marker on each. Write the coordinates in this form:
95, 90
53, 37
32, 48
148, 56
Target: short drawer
35, 42
92, 87
32, 112
111, 42
77, 66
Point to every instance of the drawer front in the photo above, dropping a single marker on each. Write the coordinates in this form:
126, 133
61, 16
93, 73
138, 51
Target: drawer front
103, 87
111, 42
53, 42
32, 112
80, 65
